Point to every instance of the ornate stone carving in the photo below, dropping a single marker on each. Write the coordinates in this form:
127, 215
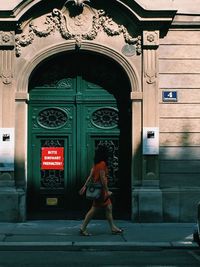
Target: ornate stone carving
7, 38
151, 38
150, 68
150, 42
84, 25
6, 77
6, 56
79, 3
6, 66
81, 23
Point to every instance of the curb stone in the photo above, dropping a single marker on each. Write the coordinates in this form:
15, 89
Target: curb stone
100, 246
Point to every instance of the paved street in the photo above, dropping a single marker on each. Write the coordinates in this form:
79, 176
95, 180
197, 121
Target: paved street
64, 235
153, 258
58, 244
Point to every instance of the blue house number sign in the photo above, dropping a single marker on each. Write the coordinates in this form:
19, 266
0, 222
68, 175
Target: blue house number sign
169, 96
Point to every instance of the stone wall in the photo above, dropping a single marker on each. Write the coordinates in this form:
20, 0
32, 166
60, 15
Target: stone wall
179, 69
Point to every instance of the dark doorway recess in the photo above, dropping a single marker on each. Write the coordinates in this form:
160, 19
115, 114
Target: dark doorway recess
77, 102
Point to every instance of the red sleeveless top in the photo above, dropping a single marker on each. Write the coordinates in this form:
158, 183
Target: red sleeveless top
104, 200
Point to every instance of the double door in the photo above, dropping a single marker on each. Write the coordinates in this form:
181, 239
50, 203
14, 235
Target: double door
67, 122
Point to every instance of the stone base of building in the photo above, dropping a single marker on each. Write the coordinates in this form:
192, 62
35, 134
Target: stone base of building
180, 204
165, 205
12, 208
147, 205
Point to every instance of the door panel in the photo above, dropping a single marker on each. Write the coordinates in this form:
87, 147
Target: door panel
49, 183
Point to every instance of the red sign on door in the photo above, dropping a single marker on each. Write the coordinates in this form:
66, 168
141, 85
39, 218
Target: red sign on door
52, 158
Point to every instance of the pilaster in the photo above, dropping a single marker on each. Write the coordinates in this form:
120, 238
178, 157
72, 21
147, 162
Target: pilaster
150, 101
7, 114
149, 194
9, 196
6, 78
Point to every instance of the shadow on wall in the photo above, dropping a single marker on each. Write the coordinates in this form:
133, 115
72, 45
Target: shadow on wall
179, 174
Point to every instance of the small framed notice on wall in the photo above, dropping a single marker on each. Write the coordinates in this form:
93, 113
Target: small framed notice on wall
150, 140
6, 149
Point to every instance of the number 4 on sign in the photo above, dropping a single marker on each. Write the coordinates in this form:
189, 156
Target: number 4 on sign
170, 95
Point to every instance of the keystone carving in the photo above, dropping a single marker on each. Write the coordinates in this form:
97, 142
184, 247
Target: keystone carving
85, 25
79, 3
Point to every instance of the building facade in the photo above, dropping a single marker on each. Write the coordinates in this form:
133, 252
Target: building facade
79, 74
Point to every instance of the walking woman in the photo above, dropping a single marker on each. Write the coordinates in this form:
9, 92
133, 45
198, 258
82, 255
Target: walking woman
99, 173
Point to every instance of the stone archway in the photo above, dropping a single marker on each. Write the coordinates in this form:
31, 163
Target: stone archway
77, 101
22, 97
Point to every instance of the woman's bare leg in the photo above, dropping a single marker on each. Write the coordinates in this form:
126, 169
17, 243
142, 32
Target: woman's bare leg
88, 217
109, 217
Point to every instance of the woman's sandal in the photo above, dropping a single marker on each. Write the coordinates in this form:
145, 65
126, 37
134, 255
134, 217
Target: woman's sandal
84, 233
117, 231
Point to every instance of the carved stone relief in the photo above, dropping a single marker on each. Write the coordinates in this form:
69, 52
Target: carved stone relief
7, 39
150, 42
150, 66
6, 66
151, 38
85, 24
78, 3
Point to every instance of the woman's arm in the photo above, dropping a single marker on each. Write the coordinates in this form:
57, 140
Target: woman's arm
104, 182
82, 190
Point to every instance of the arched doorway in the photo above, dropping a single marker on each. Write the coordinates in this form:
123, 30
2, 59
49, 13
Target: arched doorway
78, 101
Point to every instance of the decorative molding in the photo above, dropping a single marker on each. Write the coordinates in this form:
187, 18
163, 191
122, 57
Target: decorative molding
6, 66
7, 39
85, 25
151, 38
150, 68
136, 95
63, 83
105, 118
22, 80
6, 77
52, 118
21, 96
150, 43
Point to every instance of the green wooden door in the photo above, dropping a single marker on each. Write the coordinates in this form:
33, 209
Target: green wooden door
68, 118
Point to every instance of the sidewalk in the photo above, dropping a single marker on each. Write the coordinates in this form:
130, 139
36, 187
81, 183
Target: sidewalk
64, 235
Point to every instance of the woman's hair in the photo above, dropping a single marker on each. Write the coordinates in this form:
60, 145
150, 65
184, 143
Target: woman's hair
101, 154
